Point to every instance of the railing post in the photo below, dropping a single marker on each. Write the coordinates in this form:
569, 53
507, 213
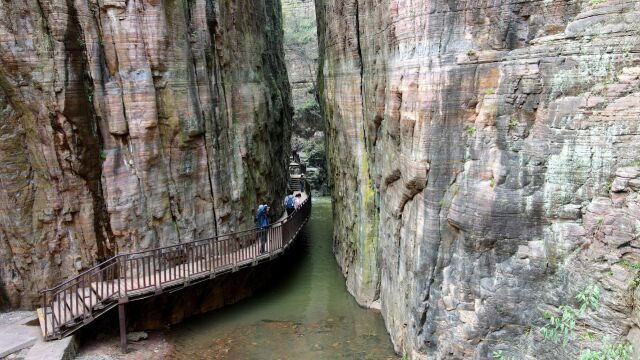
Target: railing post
212, 254
44, 311
269, 244
121, 270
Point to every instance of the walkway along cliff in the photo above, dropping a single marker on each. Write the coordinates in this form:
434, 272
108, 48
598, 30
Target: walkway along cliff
135, 276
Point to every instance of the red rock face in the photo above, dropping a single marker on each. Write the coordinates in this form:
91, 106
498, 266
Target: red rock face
473, 145
131, 124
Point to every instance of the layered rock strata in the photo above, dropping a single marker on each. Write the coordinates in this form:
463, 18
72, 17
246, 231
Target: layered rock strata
484, 160
301, 51
132, 124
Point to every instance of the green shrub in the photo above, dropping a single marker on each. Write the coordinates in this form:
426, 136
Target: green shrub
620, 351
589, 297
560, 327
630, 265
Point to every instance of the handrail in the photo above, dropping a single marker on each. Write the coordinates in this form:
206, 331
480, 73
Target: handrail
276, 223
126, 276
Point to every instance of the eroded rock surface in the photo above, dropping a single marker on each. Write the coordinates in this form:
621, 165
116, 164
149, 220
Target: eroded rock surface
484, 160
132, 124
301, 51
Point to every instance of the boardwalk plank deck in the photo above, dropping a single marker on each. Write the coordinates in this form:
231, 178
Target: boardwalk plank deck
75, 303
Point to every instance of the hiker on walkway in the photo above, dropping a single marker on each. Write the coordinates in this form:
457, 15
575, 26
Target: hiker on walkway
290, 203
298, 202
262, 217
302, 183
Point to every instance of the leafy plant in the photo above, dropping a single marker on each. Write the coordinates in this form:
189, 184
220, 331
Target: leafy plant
620, 351
589, 297
630, 265
489, 91
492, 182
609, 185
596, 2
588, 336
470, 130
513, 123
471, 53
103, 155
560, 327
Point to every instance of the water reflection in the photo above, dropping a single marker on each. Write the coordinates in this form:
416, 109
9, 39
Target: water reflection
308, 315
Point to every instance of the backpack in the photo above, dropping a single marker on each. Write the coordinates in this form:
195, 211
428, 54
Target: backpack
290, 202
260, 212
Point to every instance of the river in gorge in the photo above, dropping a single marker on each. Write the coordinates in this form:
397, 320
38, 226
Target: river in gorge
307, 315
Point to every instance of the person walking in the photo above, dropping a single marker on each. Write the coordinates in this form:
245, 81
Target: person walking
262, 217
290, 203
298, 202
302, 183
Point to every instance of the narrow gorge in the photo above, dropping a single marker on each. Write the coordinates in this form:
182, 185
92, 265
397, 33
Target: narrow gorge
482, 158
485, 167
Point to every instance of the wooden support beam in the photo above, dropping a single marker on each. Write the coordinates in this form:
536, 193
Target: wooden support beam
123, 328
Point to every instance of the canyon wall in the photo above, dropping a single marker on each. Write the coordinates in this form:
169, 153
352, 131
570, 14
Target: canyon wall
485, 169
301, 51
132, 124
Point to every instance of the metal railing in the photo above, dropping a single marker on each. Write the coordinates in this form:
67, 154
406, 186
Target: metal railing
133, 276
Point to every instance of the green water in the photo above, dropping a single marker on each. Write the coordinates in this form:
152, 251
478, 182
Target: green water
309, 315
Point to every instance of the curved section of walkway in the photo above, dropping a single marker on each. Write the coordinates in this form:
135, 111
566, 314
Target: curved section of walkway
127, 277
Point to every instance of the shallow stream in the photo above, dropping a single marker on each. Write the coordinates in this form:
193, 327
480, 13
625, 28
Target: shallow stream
308, 315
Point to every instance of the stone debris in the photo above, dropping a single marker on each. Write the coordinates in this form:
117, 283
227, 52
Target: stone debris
137, 336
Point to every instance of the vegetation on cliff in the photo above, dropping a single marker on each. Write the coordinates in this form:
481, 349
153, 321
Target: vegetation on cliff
301, 49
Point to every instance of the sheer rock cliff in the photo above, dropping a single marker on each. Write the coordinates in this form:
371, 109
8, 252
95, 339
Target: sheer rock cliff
485, 167
132, 124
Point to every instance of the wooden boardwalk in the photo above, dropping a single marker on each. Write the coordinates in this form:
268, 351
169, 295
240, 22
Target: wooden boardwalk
127, 277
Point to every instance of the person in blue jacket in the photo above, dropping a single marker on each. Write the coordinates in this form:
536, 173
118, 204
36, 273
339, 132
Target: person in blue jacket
262, 217
290, 203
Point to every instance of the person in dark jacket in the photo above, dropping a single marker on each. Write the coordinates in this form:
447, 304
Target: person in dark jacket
262, 217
